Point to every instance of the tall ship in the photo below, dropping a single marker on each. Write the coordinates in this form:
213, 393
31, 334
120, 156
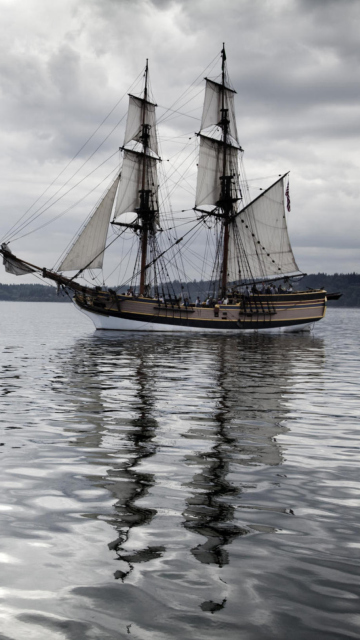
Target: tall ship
251, 268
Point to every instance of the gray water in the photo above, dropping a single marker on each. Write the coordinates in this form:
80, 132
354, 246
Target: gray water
187, 487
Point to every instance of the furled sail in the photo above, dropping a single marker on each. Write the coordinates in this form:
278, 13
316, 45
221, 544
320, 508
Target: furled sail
128, 198
141, 112
210, 169
88, 249
259, 240
213, 104
14, 265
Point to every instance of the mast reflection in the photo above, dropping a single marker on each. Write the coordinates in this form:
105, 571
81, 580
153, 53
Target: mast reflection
116, 387
117, 379
251, 376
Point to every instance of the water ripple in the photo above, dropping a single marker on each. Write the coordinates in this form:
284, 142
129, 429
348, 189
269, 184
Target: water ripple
177, 486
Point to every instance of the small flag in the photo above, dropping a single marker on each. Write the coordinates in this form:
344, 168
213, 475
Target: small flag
287, 193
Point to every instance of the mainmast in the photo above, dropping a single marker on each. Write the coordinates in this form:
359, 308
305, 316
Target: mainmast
144, 212
218, 183
225, 201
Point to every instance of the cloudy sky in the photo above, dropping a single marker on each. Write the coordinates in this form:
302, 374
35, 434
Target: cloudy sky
66, 64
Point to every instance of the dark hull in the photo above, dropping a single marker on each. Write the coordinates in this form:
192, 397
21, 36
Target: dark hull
261, 312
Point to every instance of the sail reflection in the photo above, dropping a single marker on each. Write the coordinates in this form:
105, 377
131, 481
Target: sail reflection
250, 382
121, 387
115, 406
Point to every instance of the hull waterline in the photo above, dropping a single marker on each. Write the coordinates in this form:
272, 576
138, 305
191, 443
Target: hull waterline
107, 323
280, 314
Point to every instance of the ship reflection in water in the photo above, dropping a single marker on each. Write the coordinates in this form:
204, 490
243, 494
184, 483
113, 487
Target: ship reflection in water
178, 486
98, 367
211, 510
186, 429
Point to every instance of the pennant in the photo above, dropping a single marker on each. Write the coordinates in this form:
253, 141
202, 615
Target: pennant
287, 193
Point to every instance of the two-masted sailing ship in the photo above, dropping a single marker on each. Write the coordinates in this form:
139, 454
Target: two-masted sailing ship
252, 255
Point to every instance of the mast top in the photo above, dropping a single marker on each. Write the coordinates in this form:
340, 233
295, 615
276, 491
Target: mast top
223, 57
146, 79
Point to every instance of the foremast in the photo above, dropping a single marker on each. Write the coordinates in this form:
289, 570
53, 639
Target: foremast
134, 190
145, 211
139, 182
226, 201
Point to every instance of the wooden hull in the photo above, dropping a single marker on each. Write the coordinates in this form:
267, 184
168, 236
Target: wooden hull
268, 313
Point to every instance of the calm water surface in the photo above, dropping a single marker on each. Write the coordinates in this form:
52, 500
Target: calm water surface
186, 487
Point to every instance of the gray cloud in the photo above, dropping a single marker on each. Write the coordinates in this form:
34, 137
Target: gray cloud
294, 64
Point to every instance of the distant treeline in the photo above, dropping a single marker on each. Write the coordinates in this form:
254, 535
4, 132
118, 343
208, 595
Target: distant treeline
31, 293
346, 283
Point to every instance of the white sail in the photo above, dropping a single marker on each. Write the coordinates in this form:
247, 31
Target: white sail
259, 242
210, 169
88, 249
141, 112
128, 199
212, 107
